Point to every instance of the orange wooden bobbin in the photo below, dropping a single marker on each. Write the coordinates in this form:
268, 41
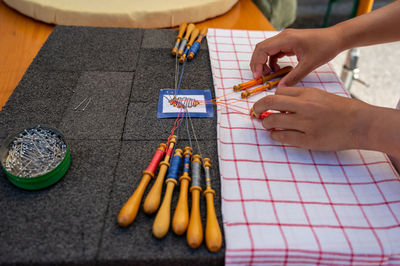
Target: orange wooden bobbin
251, 83
130, 209
180, 219
152, 201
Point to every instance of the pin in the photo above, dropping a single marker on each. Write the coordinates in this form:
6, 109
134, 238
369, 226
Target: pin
34, 152
87, 100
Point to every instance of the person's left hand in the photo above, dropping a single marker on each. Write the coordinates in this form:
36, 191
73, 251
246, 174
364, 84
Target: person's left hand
314, 119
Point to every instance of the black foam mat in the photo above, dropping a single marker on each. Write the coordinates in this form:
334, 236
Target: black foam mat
112, 141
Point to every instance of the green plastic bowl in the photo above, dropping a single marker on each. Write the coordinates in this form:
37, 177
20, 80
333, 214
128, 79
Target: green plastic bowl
38, 182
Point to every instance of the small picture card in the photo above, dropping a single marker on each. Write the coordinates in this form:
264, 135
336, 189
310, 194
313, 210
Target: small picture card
194, 101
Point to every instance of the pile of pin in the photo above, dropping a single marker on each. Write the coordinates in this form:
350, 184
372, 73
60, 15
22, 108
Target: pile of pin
35, 152
186, 48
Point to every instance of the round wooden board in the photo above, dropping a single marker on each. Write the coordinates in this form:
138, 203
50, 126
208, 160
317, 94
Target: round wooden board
121, 13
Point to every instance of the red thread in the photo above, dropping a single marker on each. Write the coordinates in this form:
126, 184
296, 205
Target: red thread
264, 115
169, 151
158, 155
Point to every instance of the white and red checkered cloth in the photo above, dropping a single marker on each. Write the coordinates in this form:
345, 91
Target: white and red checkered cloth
286, 205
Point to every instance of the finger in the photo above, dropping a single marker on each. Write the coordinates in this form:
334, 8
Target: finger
273, 61
257, 62
266, 70
292, 137
282, 121
289, 91
276, 102
261, 53
298, 73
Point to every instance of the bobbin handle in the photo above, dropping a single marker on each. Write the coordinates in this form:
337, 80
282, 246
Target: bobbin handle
152, 200
273, 83
280, 72
130, 209
213, 231
248, 93
203, 32
182, 46
180, 220
195, 47
163, 217
189, 30
193, 37
194, 234
182, 29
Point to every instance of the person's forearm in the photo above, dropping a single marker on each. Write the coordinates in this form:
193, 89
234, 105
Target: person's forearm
383, 130
379, 26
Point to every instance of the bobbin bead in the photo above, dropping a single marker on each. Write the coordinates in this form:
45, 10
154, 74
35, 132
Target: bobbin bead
207, 162
196, 158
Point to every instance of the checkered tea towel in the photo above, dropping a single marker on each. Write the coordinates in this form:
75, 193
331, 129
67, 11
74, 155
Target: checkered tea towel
286, 205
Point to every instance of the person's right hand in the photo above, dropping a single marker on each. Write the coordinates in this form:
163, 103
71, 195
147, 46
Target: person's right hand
312, 47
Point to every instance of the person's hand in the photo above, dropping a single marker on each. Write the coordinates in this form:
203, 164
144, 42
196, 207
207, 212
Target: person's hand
312, 47
314, 119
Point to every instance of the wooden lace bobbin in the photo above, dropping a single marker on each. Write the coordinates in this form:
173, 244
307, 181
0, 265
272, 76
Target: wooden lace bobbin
152, 200
163, 217
194, 234
196, 46
193, 37
283, 71
213, 231
130, 209
182, 29
183, 43
268, 86
180, 219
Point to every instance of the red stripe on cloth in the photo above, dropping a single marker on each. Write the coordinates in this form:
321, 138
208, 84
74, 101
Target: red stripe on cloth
239, 184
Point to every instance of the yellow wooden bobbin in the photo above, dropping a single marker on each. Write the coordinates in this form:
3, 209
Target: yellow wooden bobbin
180, 219
152, 201
193, 37
268, 86
182, 46
282, 72
182, 29
130, 209
163, 217
213, 231
194, 235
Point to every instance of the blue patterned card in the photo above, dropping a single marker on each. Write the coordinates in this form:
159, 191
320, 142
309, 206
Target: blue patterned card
170, 105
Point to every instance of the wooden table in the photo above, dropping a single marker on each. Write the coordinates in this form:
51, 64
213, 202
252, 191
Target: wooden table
22, 37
